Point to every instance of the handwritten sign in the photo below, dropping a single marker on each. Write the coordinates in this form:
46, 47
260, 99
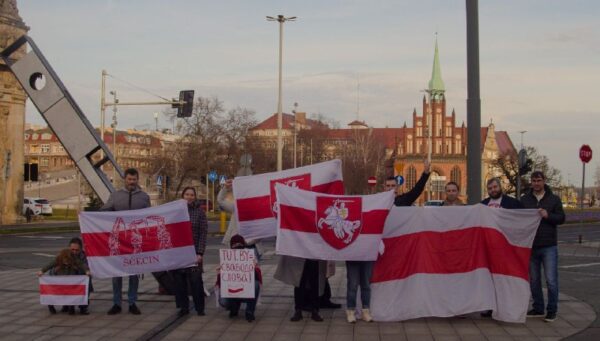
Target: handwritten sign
237, 273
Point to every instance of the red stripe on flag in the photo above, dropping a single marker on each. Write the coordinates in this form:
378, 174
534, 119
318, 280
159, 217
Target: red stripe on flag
255, 208
303, 220
334, 187
451, 252
97, 244
62, 289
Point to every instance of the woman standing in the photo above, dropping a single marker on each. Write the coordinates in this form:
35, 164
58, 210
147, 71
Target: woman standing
192, 274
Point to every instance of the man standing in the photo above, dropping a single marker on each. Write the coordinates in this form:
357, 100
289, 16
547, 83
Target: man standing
452, 198
408, 198
497, 199
544, 251
129, 198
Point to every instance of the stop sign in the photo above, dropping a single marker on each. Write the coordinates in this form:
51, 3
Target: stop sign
585, 153
372, 181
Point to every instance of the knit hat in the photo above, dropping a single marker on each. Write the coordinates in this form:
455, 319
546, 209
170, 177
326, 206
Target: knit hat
237, 242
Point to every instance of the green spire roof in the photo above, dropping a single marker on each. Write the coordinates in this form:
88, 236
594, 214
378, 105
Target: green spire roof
436, 82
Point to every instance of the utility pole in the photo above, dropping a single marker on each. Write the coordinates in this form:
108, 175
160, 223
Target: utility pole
281, 19
114, 128
473, 105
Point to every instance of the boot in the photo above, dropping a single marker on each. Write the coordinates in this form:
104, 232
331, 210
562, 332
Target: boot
315, 316
366, 315
297, 316
350, 316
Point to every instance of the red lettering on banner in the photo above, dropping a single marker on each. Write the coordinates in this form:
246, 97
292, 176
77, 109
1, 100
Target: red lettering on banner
98, 244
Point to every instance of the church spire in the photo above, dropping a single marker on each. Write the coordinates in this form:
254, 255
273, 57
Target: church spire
436, 83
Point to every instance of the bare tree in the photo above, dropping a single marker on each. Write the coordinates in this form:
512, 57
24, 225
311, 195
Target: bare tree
363, 156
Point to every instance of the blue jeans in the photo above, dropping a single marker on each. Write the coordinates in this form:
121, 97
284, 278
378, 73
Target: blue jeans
117, 284
548, 258
234, 303
358, 274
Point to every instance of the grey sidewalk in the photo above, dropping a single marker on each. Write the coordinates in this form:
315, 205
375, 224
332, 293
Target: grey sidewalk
23, 318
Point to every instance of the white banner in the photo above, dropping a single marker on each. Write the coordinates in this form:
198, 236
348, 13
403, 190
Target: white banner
237, 273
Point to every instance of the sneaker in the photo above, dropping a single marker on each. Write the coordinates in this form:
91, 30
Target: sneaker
250, 316
487, 313
133, 309
350, 317
550, 317
71, 310
64, 309
315, 316
366, 315
233, 312
535, 313
114, 310
52, 309
183, 312
84, 311
297, 316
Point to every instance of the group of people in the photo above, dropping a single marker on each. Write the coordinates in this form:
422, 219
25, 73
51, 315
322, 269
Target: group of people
308, 276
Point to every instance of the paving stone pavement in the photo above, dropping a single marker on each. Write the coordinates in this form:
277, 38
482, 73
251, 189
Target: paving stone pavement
23, 318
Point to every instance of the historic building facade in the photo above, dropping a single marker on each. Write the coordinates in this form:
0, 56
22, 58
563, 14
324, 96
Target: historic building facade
433, 131
12, 118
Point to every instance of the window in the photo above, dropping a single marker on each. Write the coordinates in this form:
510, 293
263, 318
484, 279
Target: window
455, 175
44, 162
45, 148
411, 177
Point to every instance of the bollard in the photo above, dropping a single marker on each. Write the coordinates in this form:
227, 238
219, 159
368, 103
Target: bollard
223, 221
580, 239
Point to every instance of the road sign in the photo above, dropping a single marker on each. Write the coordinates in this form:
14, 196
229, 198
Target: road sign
399, 167
222, 180
159, 180
585, 153
400, 180
212, 176
372, 181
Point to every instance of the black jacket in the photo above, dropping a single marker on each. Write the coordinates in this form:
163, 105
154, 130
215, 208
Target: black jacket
546, 232
408, 198
506, 202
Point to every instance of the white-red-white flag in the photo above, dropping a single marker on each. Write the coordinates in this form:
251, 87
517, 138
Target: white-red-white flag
64, 290
330, 227
255, 196
448, 261
133, 242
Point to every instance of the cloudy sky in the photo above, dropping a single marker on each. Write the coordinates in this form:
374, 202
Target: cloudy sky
540, 60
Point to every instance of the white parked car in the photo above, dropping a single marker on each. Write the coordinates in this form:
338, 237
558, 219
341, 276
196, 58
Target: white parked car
37, 206
434, 203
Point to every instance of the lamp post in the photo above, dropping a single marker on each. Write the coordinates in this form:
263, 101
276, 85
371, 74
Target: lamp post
281, 19
114, 127
156, 121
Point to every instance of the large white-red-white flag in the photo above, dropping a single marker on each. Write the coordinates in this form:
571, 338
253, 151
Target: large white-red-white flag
255, 196
64, 290
448, 261
330, 227
138, 241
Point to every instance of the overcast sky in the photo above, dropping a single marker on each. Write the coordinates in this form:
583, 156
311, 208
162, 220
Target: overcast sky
540, 60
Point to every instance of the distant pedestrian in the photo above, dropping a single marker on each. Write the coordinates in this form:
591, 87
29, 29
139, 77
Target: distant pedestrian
544, 252
193, 274
129, 198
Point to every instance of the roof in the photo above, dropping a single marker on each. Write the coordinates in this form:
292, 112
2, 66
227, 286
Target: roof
390, 137
358, 123
287, 122
505, 145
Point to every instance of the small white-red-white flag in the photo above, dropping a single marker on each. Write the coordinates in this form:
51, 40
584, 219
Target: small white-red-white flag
64, 290
448, 261
255, 196
330, 227
138, 241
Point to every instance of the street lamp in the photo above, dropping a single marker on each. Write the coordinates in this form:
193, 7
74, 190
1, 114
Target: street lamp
114, 127
281, 19
156, 121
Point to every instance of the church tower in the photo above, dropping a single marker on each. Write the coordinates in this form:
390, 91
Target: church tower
12, 118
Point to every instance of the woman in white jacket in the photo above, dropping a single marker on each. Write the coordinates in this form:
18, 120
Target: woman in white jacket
227, 203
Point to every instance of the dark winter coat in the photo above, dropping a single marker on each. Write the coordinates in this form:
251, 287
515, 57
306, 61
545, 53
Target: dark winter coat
408, 198
506, 202
546, 234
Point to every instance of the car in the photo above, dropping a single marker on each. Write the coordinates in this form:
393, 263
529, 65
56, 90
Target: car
38, 206
434, 203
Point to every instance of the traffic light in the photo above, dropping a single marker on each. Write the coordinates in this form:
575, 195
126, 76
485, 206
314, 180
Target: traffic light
526, 167
185, 109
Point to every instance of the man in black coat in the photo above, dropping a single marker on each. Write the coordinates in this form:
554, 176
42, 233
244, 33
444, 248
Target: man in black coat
544, 252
